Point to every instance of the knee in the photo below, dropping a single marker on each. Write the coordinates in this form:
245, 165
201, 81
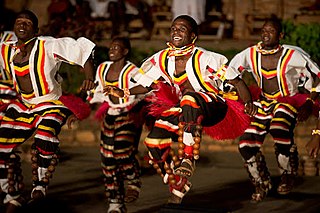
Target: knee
248, 152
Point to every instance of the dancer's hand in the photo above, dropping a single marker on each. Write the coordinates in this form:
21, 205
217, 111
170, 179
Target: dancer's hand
71, 119
115, 91
87, 85
250, 109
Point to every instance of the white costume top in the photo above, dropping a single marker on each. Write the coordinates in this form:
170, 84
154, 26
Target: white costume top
124, 81
204, 69
45, 59
293, 66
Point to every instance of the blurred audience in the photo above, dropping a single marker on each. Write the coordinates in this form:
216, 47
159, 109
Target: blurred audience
195, 9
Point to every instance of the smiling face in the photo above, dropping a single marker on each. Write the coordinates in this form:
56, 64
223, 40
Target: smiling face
24, 27
270, 35
117, 51
181, 33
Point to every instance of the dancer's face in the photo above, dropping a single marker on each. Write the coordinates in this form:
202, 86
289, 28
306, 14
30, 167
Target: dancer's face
270, 36
23, 28
117, 51
181, 33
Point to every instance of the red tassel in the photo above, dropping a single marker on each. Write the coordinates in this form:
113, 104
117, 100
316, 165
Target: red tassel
78, 107
233, 125
101, 111
163, 98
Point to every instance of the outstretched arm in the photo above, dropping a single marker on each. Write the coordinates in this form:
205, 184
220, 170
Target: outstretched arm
120, 93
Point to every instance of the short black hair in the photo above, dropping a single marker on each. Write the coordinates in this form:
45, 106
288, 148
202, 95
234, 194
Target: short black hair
276, 22
30, 15
191, 21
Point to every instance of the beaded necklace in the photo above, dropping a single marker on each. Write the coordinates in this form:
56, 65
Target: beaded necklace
267, 52
18, 48
180, 51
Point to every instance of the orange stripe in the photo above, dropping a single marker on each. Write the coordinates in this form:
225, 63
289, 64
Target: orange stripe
163, 126
204, 97
189, 103
169, 113
283, 67
162, 62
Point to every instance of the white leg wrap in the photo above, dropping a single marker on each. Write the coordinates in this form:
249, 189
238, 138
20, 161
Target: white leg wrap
284, 164
115, 207
41, 172
40, 188
188, 139
252, 168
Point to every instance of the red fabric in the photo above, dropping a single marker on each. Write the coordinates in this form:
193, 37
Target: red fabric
188, 150
163, 98
101, 111
233, 125
296, 101
78, 107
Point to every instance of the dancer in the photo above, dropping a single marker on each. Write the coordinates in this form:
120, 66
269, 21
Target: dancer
279, 70
121, 126
33, 63
185, 80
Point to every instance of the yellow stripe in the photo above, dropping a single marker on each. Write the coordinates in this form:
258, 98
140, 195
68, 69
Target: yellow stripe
260, 111
281, 120
29, 120
293, 109
12, 140
39, 68
102, 69
258, 125
47, 129
158, 141
283, 62
276, 95
266, 103
174, 109
141, 71
198, 71
7, 64
21, 68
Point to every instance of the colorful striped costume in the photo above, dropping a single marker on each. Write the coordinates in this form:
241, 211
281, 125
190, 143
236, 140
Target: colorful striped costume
40, 113
201, 69
277, 112
120, 133
193, 109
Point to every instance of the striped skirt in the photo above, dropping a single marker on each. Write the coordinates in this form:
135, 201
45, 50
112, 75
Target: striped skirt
20, 121
119, 143
278, 119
